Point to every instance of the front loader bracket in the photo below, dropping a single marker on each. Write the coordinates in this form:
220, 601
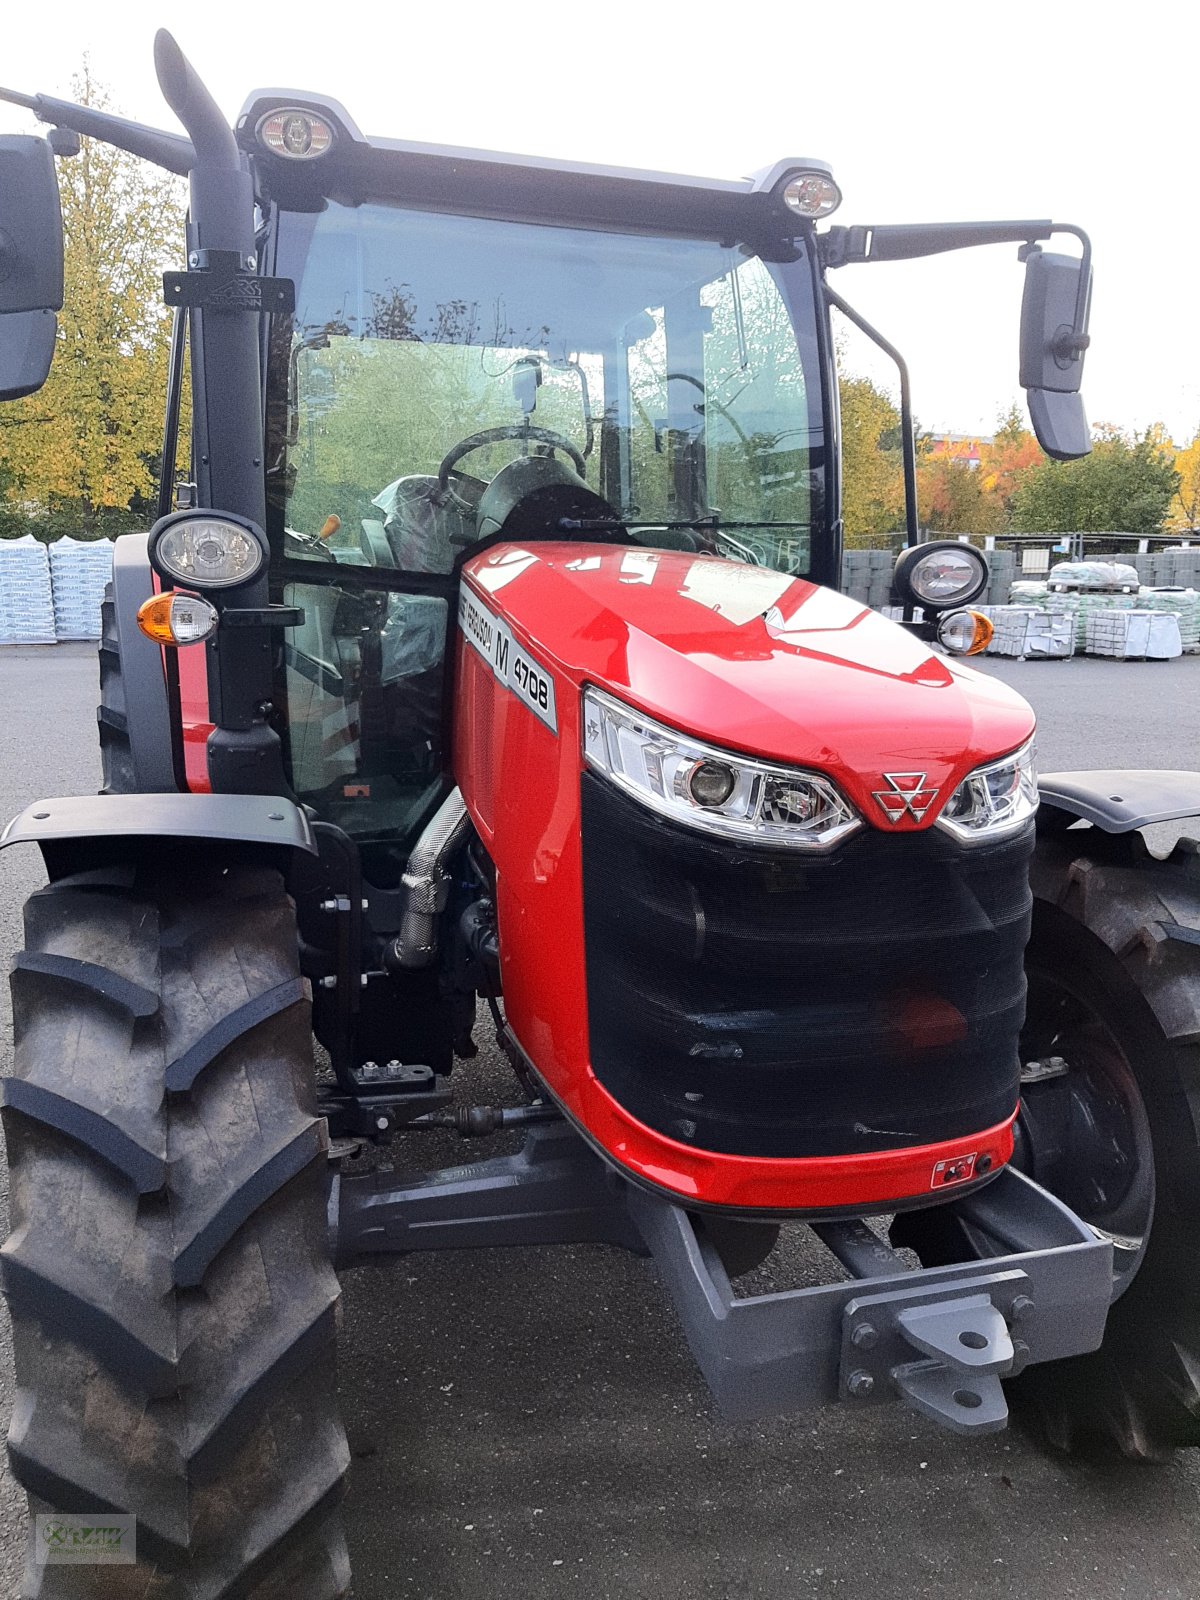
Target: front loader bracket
940, 1338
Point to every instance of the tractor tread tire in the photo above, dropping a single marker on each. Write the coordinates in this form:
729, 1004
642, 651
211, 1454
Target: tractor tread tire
112, 714
1141, 1390
173, 1342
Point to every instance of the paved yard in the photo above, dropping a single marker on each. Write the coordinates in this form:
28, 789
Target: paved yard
531, 1425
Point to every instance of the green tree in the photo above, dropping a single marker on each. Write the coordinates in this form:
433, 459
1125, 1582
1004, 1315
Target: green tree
872, 472
89, 439
1126, 485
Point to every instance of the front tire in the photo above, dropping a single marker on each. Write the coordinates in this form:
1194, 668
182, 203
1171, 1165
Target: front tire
1114, 969
173, 1304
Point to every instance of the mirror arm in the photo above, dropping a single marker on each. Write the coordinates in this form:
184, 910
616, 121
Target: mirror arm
841, 247
167, 150
908, 443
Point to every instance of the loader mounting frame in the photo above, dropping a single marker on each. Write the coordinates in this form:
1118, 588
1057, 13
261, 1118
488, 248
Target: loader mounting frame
940, 1338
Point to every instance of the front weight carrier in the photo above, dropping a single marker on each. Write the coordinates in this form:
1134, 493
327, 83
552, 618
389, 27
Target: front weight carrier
938, 1338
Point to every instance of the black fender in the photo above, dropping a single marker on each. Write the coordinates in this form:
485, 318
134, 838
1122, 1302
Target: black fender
147, 717
1116, 799
230, 818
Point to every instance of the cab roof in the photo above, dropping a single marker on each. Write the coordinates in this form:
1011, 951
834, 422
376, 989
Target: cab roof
500, 183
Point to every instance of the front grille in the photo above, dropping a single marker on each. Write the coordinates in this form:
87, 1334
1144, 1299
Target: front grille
760, 1003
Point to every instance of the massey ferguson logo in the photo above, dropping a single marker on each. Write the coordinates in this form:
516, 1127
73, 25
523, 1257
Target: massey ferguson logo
906, 792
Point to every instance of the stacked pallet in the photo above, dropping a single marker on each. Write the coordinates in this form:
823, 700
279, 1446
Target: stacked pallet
867, 576
1181, 603
79, 571
1023, 631
1003, 565
1133, 635
26, 601
1177, 569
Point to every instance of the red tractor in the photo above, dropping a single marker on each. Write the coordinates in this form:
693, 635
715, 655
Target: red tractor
488, 648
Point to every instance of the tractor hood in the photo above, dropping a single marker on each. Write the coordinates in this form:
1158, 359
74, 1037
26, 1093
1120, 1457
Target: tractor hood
755, 661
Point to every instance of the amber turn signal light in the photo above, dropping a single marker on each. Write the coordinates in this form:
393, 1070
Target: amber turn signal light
965, 633
177, 619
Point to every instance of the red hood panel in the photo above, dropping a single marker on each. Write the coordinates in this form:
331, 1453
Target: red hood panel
750, 659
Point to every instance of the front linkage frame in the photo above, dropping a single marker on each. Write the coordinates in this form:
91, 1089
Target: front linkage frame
940, 1339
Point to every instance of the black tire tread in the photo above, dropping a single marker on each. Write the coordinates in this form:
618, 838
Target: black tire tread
1141, 1390
208, 1411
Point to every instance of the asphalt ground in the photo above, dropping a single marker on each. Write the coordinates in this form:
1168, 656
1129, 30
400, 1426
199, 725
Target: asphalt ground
530, 1424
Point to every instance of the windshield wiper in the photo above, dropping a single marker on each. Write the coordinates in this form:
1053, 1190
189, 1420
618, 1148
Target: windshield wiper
696, 524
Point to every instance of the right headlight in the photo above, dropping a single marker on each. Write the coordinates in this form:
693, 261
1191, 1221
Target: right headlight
940, 575
994, 799
706, 787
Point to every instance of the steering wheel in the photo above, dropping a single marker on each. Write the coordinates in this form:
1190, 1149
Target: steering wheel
516, 430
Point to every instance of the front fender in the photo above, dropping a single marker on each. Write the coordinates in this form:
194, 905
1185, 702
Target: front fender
1117, 800
233, 818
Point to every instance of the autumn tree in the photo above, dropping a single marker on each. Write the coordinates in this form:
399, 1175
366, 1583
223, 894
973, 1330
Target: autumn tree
872, 471
1184, 512
88, 440
1002, 464
1126, 484
953, 497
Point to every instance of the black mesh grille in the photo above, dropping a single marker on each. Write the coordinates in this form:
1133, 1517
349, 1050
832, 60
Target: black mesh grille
750, 1002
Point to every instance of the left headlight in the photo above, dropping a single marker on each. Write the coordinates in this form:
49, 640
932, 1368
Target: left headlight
204, 551
994, 799
709, 788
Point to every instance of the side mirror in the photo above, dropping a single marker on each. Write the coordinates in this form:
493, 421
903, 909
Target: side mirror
526, 381
26, 351
1054, 318
31, 263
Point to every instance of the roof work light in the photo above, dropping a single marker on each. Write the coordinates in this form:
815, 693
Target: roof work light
294, 134
811, 194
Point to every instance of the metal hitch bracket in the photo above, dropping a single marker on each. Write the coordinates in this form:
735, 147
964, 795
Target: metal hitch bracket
965, 1338
940, 1339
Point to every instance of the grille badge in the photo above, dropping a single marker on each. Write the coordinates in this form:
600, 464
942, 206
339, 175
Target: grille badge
907, 794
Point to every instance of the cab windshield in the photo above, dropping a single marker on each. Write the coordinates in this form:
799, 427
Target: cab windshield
677, 379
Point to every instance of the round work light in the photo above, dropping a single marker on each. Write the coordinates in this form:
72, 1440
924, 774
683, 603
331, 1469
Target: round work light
203, 551
940, 576
811, 194
295, 134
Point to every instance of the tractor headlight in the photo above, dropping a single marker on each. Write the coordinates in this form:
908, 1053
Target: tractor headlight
204, 551
940, 575
709, 788
994, 799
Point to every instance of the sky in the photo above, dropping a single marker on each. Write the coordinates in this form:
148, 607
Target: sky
1080, 112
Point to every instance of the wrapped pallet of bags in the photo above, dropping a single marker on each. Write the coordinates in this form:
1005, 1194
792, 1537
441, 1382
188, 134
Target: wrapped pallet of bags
1113, 577
1182, 603
26, 604
79, 571
1084, 604
1133, 635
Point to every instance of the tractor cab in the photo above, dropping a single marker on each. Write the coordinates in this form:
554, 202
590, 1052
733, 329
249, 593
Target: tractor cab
448, 380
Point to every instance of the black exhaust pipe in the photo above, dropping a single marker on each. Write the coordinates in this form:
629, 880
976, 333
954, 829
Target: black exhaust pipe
244, 754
